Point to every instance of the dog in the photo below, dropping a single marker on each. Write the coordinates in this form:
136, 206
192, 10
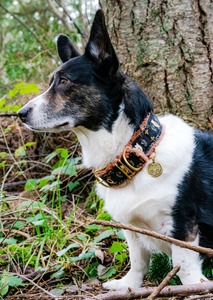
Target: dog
90, 95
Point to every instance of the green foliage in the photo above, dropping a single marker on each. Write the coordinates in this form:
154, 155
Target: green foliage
8, 280
160, 266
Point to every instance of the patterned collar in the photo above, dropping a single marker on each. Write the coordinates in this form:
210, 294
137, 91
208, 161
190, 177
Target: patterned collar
136, 154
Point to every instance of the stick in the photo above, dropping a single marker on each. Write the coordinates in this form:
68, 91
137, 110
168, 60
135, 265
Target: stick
168, 291
76, 26
155, 235
166, 280
199, 297
9, 115
28, 28
24, 277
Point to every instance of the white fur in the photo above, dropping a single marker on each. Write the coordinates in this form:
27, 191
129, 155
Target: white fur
40, 119
145, 202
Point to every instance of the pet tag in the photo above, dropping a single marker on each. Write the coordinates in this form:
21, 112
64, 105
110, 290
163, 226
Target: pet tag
154, 169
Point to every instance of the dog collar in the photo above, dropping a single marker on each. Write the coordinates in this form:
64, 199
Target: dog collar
136, 154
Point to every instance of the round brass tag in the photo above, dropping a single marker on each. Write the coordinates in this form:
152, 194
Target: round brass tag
154, 169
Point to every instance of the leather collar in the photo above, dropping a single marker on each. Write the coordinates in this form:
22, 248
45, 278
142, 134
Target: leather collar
136, 154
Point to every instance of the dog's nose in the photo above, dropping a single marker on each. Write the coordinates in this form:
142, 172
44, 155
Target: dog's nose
22, 113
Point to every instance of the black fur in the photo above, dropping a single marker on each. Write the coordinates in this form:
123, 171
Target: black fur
193, 207
96, 85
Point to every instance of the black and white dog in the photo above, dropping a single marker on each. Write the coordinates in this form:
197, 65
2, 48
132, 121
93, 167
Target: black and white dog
90, 95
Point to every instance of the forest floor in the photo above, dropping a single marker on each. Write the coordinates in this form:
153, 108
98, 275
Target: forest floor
47, 201
48, 248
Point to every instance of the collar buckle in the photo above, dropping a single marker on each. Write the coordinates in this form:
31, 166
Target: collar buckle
128, 164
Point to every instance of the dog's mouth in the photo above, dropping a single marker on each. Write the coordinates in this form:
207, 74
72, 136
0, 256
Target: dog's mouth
62, 125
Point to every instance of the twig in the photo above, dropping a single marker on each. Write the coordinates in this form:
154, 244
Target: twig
13, 183
24, 277
76, 26
9, 115
166, 280
155, 235
18, 232
168, 291
28, 28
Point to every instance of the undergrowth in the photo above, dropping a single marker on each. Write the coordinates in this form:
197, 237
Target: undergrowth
46, 201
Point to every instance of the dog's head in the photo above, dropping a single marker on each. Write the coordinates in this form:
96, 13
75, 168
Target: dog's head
85, 90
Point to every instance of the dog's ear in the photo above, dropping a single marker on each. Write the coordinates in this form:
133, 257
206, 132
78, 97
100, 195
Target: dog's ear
65, 48
100, 49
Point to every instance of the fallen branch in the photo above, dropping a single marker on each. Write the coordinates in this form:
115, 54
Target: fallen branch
166, 280
155, 235
199, 297
168, 291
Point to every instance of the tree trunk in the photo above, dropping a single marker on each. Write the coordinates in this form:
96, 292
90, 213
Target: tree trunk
167, 47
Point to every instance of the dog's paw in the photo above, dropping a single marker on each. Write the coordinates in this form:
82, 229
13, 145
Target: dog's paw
193, 279
121, 284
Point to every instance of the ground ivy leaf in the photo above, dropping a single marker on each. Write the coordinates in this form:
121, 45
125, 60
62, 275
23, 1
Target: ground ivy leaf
20, 152
31, 184
14, 280
105, 234
72, 185
9, 241
120, 234
121, 257
82, 238
57, 292
107, 272
61, 252
117, 247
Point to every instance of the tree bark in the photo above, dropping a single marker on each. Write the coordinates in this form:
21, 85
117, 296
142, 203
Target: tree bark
167, 47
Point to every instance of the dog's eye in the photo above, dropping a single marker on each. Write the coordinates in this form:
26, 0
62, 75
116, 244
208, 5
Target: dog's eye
63, 81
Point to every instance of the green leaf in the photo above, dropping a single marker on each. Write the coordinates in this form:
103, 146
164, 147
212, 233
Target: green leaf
19, 224
30, 144
50, 156
51, 186
3, 154
72, 185
15, 108
14, 281
92, 227
44, 180
31, 184
86, 255
4, 284
2, 102
5, 109
117, 247
107, 272
58, 274
121, 257
38, 223
61, 252
64, 152
69, 170
82, 238
20, 152
104, 235
9, 241
19, 85
30, 88
13, 93
57, 292
120, 234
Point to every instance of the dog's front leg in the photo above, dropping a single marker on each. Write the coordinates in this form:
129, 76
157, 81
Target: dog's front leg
190, 271
139, 258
